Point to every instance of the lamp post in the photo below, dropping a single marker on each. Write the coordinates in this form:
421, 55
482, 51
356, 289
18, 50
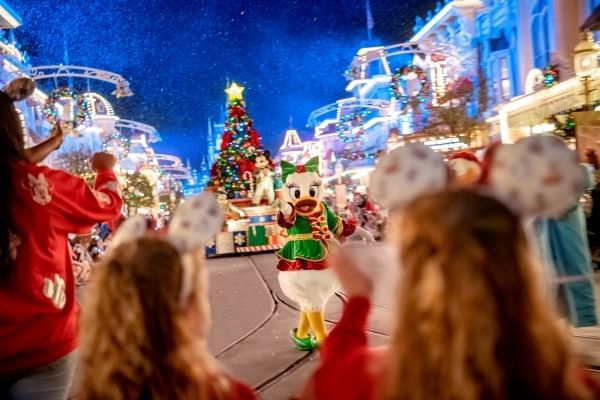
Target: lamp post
585, 57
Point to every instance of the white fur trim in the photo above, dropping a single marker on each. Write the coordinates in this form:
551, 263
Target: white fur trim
310, 289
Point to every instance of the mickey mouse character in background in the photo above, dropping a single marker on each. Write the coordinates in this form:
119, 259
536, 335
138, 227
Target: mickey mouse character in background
465, 168
312, 227
265, 178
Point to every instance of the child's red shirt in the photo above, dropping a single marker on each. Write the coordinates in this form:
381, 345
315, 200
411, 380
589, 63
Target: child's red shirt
38, 309
350, 370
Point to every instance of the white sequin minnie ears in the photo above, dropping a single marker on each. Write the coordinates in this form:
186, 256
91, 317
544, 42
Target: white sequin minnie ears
194, 223
537, 176
19, 89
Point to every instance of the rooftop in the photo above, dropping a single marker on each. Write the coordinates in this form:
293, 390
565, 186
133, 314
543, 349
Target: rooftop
9, 19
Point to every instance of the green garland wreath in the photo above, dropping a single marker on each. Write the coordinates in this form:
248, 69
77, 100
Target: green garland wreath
353, 119
400, 73
82, 108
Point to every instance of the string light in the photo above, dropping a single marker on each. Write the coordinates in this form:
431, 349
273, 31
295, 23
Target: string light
551, 75
239, 147
350, 126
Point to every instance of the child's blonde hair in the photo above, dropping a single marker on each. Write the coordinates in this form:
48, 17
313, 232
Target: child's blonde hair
137, 339
472, 323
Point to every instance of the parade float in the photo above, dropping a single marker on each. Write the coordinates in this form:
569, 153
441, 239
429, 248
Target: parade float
243, 177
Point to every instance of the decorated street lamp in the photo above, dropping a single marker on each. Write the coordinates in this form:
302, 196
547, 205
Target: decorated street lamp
585, 57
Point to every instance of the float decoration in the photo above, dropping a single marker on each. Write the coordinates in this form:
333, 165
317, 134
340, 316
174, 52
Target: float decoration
239, 147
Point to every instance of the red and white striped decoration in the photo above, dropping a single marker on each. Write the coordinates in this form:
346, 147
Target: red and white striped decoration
252, 249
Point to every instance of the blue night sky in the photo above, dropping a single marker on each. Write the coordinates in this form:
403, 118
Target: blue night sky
177, 54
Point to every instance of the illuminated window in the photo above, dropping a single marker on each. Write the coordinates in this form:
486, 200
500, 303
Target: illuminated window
540, 34
504, 78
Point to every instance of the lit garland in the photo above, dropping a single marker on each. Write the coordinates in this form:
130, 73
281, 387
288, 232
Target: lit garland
347, 124
404, 73
239, 148
121, 141
81, 114
551, 75
350, 155
77, 163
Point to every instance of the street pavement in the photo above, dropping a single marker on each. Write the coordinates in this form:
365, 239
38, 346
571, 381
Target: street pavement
252, 318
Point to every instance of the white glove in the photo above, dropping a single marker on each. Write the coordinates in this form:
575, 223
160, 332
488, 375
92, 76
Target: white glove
283, 206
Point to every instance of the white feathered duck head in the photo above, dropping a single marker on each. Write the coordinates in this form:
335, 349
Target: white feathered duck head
303, 186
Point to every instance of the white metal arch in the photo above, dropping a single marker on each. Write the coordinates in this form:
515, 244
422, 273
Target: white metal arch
361, 61
173, 166
98, 97
352, 103
74, 71
151, 133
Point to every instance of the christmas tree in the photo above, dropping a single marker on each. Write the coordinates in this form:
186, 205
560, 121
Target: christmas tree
232, 171
137, 193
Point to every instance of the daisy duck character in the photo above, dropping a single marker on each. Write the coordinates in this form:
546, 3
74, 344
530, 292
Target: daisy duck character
312, 229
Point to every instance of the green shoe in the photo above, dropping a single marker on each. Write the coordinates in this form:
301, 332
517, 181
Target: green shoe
303, 344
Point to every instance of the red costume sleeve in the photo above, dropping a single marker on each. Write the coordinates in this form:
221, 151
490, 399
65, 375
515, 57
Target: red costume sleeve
350, 332
79, 207
344, 355
241, 391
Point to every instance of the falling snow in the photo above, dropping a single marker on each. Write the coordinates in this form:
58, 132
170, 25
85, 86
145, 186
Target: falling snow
178, 54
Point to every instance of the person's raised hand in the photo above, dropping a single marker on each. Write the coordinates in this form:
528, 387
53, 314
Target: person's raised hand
103, 161
355, 283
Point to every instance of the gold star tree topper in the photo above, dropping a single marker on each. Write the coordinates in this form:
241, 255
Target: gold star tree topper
234, 92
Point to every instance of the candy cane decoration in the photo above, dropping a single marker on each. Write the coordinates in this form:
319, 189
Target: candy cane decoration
248, 175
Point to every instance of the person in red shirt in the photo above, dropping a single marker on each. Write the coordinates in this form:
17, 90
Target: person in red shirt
471, 322
39, 207
143, 339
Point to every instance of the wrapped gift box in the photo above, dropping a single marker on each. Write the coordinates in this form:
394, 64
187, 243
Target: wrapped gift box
239, 239
211, 248
224, 243
257, 235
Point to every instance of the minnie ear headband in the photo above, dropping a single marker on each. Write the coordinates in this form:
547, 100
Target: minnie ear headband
194, 223
19, 89
536, 176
